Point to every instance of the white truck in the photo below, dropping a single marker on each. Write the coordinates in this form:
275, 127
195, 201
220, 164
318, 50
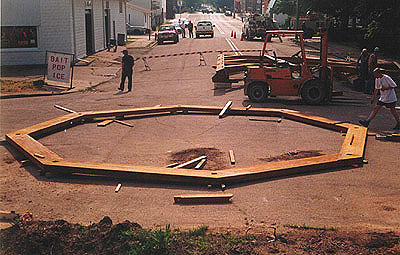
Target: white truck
204, 27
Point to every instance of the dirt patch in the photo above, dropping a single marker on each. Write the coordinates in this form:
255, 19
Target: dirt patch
27, 86
216, 159
293, 155
61, 237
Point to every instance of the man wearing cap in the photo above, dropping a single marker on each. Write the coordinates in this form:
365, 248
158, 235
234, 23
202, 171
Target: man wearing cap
127, 70
388, 98
372, 64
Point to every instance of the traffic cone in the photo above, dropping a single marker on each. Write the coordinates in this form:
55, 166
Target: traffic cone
232, 33
241, 37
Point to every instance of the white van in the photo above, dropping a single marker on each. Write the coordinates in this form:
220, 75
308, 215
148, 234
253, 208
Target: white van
204, 27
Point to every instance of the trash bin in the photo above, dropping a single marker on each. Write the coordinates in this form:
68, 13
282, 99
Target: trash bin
121, 39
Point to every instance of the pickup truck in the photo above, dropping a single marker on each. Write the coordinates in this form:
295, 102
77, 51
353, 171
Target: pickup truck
204, 27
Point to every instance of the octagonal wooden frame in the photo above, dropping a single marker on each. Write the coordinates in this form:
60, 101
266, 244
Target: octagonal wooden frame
351, 152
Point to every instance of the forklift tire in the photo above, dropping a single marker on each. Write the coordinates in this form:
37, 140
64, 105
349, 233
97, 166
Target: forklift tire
314, 92
258, 92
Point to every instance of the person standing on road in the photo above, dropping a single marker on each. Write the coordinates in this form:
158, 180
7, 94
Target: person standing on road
183, 29
190, 28
388, 98
372, 64
127, 70
362, 66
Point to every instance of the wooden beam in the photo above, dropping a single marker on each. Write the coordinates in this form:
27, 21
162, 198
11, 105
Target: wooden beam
232, 157
225, 109
123, 123
172, 165
118, 187
191, 162
200, 164
104, 123
64, 109
203, 198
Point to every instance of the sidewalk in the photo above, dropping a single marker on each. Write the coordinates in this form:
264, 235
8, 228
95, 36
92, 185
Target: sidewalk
103, 66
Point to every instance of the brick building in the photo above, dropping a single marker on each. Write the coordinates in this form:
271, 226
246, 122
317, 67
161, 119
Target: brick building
80, 27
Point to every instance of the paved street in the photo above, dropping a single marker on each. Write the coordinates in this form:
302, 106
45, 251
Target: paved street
365, 197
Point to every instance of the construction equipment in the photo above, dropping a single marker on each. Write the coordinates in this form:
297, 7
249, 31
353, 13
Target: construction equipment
256, 25
267, 75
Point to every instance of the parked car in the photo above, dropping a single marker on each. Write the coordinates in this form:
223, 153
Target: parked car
207, 10
136, 30
204, 27
167, 33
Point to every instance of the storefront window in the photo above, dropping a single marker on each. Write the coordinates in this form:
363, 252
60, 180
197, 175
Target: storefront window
18, 37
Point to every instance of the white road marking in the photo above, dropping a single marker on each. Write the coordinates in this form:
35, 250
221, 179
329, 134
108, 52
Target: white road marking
233, 46
219, 29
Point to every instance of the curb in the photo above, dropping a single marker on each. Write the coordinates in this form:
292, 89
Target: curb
36, 95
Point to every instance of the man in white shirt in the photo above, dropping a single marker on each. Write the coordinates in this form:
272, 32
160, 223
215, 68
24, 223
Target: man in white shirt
388, 98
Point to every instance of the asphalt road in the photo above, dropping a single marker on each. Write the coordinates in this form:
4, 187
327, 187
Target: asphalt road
366, 197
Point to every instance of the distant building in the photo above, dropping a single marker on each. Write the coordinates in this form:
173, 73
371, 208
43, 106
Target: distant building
138, 12
81, 27
138, 16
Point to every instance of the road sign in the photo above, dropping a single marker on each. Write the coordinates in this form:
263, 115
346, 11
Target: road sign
179, 2
59, 66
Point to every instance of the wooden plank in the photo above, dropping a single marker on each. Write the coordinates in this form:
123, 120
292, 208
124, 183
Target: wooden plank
200, 164
190, 162
225, 109
50, 125
123, 123
354, 142
118, 187
172, 165
232, 157
64, 109
32, 149
129, 112
203, 198
104, 123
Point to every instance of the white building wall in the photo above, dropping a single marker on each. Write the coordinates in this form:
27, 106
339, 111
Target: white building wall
118, 18
98, 22
60, 27
53, 20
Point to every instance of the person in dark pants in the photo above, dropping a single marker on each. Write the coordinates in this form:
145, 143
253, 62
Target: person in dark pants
362, 66
372, 64
127, 70
190, 28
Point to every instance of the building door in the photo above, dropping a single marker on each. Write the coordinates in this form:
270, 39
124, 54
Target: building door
89, 31
107, 23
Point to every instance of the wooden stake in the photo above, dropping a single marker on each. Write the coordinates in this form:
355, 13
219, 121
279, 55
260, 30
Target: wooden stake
172, 165
118, 187
123, 123
232, 157
188, 163
64, 109
203, 198
248, 107
226, 108
38, 155
200, 164
104, 123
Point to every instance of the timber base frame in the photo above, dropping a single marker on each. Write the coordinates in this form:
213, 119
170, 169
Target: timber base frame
351, 152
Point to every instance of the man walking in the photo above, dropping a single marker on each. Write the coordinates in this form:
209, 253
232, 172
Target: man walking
190, 28
388, 98
127, 70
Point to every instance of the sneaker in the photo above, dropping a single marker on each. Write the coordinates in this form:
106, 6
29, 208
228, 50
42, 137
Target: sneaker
397, 127
365, 123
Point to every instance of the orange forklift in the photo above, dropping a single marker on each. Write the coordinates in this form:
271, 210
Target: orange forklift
266, 75
290, 76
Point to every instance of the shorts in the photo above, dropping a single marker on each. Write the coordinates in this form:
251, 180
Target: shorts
387, 105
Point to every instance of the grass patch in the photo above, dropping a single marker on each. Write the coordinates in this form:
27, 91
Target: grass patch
304, 226
199, 231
